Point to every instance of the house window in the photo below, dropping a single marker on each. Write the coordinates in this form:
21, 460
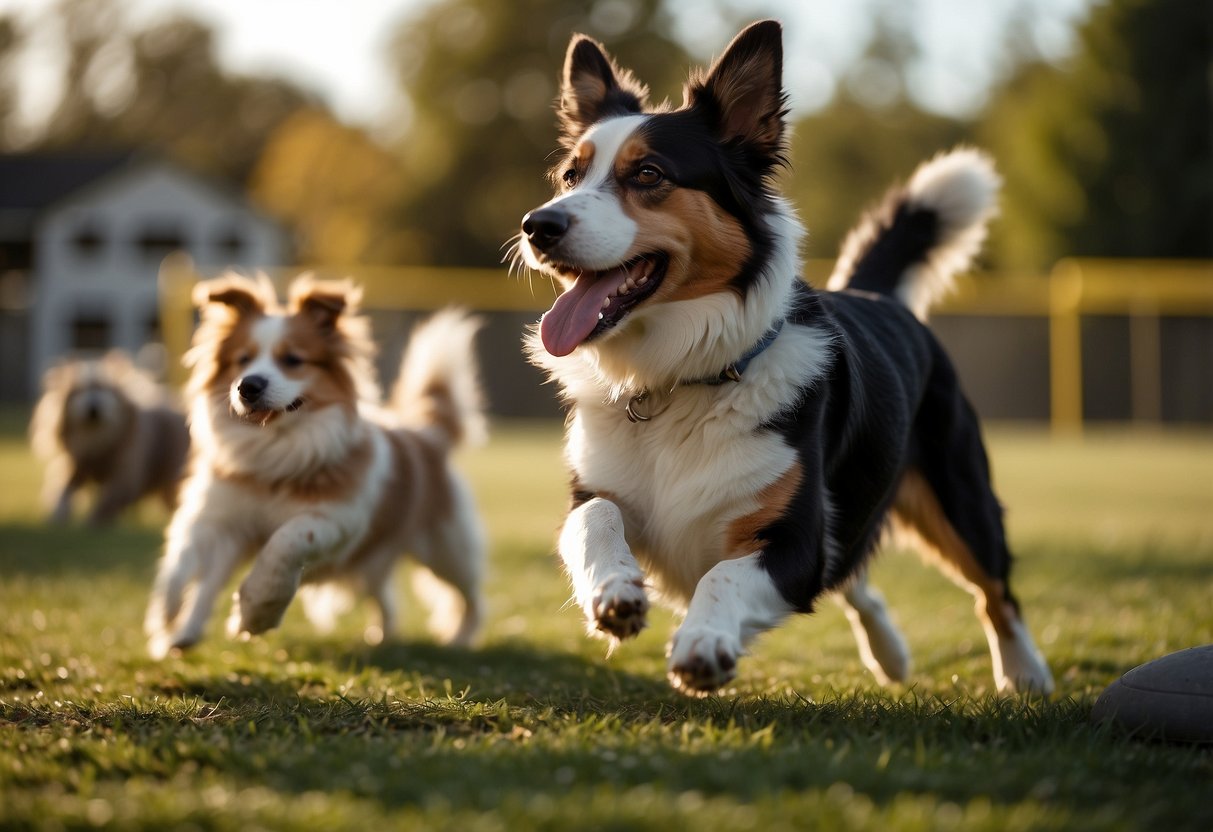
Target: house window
16, 255
230, 244
90, 334
157, 242
151, 328
88, 241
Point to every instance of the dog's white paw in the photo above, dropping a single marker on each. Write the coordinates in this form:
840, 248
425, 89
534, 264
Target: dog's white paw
160, 645
702, 660
252, 616
619, 607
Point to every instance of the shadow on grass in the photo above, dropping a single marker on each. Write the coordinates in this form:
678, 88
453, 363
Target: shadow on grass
524, 724
42, 550
513, 668
473, 754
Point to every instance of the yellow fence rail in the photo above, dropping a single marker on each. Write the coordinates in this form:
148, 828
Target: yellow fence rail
1144, 290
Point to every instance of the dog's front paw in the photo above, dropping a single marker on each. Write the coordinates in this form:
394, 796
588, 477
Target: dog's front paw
251, 616
619, 607
702, 661
162, 644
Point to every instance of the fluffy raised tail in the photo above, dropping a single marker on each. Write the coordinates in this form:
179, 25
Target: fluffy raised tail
912, 245
438, 389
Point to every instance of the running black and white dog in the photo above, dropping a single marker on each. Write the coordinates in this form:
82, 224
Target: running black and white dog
739, 441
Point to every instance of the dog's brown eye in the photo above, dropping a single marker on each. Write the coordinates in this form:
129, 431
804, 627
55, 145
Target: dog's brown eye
570, 177
290, 359
244, 358
648, 176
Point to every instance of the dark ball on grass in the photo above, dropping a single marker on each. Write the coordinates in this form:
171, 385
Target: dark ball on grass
1167, 699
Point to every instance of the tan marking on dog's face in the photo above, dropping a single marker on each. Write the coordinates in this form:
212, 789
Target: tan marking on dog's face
220, 345
917, 509
322, 371
303, 353
742, 536
579, 161
706, 246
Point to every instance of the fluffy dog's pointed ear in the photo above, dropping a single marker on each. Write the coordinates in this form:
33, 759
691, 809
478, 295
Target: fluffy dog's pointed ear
232, 294
324, 302
742, 93
593, 87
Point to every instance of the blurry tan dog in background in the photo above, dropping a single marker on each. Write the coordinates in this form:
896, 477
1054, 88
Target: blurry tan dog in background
298, 467
106, 423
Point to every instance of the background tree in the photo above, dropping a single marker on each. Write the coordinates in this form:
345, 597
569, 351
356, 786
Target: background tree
1111, 153
336, 187
480, 77
159, 89
10, 43
870, 135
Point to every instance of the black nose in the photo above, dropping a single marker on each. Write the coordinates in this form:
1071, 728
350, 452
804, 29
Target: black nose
545, 226
92, 413
250, 388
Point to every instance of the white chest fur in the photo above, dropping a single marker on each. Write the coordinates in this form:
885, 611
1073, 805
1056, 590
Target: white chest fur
683, 477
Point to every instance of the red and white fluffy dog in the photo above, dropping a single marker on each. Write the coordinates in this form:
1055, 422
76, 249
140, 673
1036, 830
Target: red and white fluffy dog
739, 441
298, 467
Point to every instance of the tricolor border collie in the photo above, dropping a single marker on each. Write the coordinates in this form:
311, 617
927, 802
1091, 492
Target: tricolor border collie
299, 468
739, 441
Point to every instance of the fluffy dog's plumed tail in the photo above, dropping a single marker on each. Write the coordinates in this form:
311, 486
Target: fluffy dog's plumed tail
915, 241
438, 389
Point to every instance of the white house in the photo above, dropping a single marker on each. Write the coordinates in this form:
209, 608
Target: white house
96, 253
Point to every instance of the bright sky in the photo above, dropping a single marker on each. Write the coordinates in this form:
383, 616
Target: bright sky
340, 47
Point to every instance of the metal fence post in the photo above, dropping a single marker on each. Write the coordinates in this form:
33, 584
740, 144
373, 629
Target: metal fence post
175, 284
1065, 348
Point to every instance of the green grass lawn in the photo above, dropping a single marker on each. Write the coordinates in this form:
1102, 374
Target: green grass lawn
539, 729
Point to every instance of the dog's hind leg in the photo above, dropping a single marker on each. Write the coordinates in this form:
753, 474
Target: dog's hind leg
881, 646
385, 604
373, 577
454, 554
978, 561
324, 603
112, 499
62, 483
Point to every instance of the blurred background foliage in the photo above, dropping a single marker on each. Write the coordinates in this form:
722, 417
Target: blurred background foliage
1107, 152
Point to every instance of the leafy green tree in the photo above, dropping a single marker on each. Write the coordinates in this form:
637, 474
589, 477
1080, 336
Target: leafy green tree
846, 155
10, 42
162, 89
335, 187
1111, 153
480, 77
869, 136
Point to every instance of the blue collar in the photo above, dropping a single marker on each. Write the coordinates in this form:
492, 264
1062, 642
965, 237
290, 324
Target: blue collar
733, 372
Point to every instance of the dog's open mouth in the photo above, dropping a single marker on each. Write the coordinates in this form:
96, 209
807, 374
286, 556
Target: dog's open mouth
598, 301
263, 417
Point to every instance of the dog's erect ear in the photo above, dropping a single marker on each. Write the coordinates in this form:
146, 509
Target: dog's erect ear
57, 376
593, 87
117, 363
743, 91
323, 301
232, 292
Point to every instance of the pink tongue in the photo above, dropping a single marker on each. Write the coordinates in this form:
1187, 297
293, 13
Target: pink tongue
575, 313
